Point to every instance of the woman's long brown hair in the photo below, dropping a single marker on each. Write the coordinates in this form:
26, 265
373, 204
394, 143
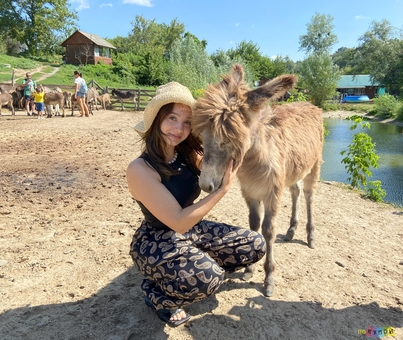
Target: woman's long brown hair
154, 144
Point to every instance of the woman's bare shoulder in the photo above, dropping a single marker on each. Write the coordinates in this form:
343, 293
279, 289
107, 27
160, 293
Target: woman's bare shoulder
141, 169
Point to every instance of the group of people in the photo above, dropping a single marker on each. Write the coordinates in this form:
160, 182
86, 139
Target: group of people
34, 94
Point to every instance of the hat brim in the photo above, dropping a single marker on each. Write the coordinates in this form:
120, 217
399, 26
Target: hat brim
177, 94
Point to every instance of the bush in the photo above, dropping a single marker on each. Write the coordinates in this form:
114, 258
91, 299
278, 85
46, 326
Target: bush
386, 106
330, 107
400, 112
359, 158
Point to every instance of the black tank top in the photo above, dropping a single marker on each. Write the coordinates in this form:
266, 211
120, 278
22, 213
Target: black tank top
184, 187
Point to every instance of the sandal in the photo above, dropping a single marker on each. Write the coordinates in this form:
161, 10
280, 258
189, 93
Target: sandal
166, 314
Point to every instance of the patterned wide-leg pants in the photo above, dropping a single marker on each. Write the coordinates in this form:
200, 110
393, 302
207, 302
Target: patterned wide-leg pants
181, 269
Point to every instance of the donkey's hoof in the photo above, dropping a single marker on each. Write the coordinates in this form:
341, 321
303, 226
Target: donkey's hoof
290, 235
311, 244
247, 276
268, 290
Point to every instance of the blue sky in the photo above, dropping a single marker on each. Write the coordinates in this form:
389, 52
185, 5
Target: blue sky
274, 26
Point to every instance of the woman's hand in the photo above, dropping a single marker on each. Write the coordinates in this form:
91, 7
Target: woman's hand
229, 176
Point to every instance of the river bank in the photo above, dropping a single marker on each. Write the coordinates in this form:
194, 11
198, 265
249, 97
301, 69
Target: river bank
345, 114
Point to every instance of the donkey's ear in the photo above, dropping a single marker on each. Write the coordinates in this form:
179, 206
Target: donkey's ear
237, 73
232, 80
270, 91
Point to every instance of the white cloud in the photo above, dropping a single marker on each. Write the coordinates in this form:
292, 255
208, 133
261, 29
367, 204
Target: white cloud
360, 17
237, 24
106, 5
82, 4
146, 3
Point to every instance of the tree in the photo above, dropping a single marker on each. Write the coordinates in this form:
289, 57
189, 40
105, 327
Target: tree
152, 43
33, 22
319, 76
318, 73
319, 37
347, 61
147, 34
381, 51
190, 64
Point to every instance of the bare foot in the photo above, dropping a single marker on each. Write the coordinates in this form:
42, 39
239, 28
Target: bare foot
178, 316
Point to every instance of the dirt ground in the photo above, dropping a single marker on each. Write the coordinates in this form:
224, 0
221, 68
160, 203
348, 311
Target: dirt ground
66, 222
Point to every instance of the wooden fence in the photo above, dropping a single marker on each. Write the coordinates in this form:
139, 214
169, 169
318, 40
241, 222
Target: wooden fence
143, 96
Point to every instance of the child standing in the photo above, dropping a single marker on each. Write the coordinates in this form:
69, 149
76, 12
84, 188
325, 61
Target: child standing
39, 95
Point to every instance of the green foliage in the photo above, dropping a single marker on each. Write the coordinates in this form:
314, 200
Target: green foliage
386, 106
399, 115
379, 52
326, 132
329, 106
359, 158
259, 66
296, 96
198, 93
190, 65
319, 75
375, 192
319, 37
37, 23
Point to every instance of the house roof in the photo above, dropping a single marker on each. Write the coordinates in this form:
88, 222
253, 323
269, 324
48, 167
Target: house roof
355, 82
97, 40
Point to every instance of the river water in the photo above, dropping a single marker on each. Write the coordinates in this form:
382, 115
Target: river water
388, 141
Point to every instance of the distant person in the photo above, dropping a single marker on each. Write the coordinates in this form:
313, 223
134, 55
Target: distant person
39, 96
80, 94
29, 88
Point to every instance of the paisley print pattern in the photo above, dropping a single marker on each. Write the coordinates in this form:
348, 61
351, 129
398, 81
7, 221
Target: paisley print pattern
181, 269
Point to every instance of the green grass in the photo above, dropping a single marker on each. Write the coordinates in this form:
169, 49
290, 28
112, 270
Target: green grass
359, 107
102, 74
5, 77
18, 62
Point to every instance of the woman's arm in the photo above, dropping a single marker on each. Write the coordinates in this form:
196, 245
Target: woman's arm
145, 186
76, 90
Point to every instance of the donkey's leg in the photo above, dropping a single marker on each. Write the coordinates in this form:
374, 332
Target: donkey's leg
310, 183
254, 224
295, 190
271, 208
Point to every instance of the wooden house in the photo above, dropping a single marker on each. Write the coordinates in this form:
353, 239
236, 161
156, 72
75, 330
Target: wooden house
86, 48
359, 85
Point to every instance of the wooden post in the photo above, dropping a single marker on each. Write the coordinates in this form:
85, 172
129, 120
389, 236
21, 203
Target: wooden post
12, 78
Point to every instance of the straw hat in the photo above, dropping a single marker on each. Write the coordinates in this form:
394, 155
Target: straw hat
172, 92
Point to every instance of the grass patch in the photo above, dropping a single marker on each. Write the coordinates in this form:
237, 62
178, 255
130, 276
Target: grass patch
5, 77
47, 69
359, 107
18, 62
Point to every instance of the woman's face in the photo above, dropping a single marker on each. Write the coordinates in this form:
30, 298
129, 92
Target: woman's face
175, 126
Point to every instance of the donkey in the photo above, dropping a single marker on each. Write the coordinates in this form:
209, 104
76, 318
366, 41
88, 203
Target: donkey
275, 146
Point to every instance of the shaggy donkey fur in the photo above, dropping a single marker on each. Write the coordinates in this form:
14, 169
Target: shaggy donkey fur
277, 146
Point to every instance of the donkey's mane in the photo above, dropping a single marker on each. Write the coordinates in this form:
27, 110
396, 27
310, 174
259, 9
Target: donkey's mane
223, 109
